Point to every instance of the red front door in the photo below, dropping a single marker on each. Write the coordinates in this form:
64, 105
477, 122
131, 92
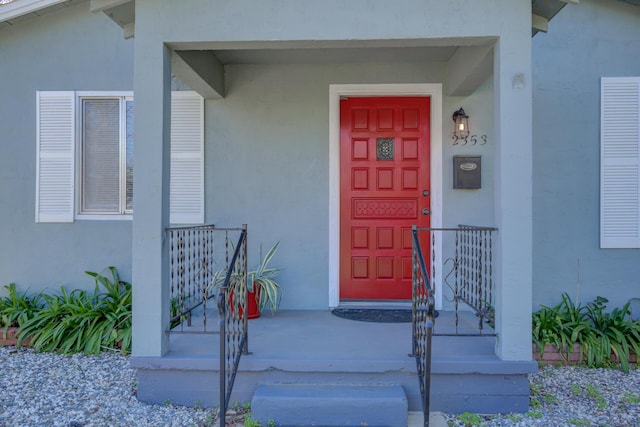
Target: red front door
384, 190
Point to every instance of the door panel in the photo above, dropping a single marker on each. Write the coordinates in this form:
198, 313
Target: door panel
384, 172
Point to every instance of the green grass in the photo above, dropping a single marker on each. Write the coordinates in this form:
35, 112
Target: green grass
576, 389
250, 422
469, 419
602, 403
631, 398
534, 413
514, 418
535, 389
593, 391
578, 422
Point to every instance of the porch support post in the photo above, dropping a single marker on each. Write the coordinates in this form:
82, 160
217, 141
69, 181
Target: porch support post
513, 186
152, 86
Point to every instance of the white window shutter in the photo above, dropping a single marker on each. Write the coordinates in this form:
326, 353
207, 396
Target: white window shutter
187, 158
620, 163
55, 143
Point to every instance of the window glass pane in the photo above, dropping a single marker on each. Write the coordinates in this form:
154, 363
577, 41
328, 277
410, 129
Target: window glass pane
385, 148
129, 155
101, 155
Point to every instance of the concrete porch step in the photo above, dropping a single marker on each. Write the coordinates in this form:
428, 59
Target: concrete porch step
316, 347
330, 405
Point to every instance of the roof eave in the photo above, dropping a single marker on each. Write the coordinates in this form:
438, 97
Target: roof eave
16, 9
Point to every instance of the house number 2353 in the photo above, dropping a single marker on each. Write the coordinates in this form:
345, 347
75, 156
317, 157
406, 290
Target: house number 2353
471, 141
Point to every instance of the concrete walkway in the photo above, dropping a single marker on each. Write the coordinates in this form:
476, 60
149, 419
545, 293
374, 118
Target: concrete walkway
436, 419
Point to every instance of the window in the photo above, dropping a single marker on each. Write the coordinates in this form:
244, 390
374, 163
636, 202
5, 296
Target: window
106, 146
620, 162
85, 156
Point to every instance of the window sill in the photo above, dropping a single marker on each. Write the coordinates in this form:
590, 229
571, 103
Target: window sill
104, 217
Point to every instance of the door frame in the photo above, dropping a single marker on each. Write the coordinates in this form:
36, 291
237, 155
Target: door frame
431, 90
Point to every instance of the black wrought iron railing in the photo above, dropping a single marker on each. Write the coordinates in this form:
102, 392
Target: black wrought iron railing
423, 315
207, 262
192, 267
471, 267
232, 313
473, 272
465, 256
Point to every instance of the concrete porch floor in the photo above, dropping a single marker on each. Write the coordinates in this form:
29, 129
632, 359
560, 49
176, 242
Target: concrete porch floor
318, 338
316, 347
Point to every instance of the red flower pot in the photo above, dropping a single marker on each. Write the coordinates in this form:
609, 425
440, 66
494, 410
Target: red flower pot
253, 304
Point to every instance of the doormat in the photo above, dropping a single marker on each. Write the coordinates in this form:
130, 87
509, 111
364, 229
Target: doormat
374, 315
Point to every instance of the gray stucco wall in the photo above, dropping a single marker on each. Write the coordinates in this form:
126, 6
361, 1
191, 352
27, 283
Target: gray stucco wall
70, 49
271, 131
597, 38
267, 150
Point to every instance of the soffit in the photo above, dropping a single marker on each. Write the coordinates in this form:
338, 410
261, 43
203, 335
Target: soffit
16, 11
546, 9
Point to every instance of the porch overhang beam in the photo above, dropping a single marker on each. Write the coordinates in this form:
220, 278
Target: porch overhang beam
468, 68
539, 23
101, 5
122, 12
200, 70
129, 30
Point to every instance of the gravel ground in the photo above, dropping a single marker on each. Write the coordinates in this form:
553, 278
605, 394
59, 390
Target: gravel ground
72, 391
570, 396
44, 389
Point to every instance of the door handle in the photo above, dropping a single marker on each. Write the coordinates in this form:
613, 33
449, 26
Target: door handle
426, 211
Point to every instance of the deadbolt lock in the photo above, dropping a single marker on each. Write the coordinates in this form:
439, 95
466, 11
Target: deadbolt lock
426, 211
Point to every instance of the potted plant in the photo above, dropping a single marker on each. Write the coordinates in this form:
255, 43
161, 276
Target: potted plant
263, 289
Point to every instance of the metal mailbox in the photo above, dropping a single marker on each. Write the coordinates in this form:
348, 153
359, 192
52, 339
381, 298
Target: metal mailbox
467, 172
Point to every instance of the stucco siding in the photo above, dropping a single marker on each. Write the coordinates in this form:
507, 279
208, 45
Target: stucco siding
70, 49
267, 151
251, 21
597, 38
271, 131
267, 144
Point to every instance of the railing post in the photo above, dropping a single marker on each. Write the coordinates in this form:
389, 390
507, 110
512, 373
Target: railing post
414, 335
222, 306
245, 319
423, 306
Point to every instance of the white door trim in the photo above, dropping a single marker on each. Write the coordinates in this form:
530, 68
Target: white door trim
432, 90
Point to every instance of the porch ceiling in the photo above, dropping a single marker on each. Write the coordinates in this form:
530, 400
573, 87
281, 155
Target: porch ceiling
477, 53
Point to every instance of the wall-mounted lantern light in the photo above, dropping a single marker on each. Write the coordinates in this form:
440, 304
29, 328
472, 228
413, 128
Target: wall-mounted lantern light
461, 120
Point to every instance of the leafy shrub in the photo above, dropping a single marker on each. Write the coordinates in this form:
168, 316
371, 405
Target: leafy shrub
561, 326
81, 321
604, 337
615, 333
16, 308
